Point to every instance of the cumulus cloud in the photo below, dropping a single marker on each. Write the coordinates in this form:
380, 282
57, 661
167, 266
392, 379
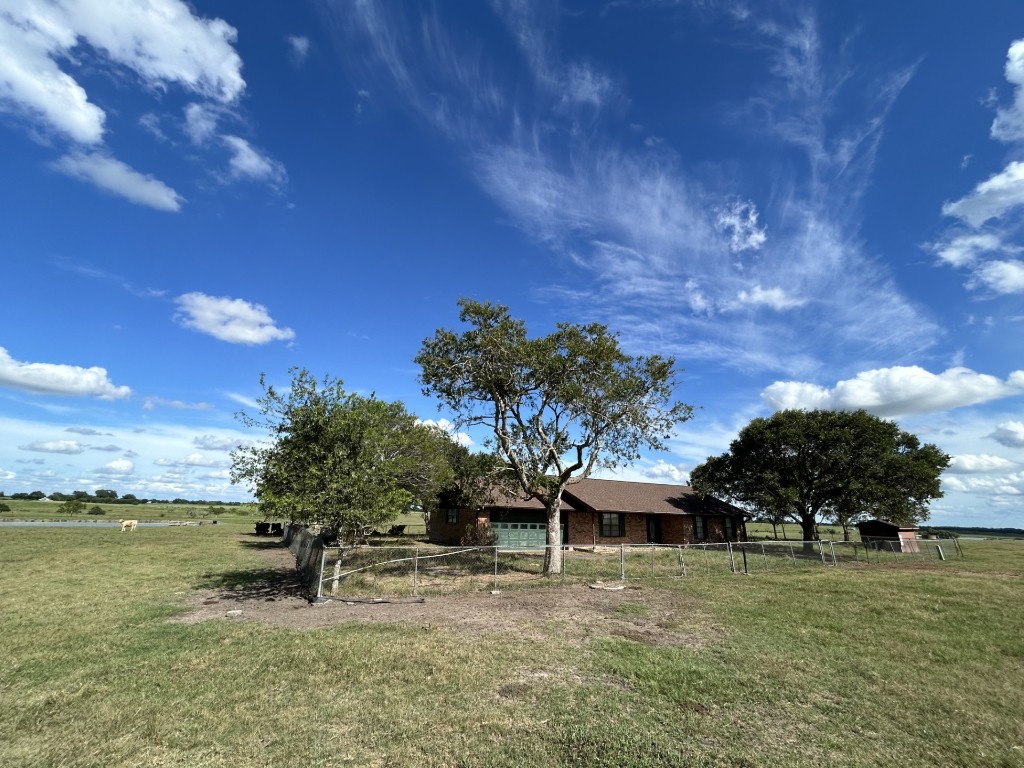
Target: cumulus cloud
69, 447
739, 221
106, 448
201, 122
216, 442
249, 164
232, 320
117, 468
161, 41
111, 175
58, 379
991, 198
449, 429
963, 250
1000, 276
976, 463
774, 298
1009, 122
194, 459
1011, 484
6, 474
151, 404
662, 470
896, 391
1010, 434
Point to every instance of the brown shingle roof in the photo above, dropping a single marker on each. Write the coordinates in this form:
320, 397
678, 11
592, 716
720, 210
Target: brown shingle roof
627, 496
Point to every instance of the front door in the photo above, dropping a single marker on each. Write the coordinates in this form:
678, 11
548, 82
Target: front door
653, 529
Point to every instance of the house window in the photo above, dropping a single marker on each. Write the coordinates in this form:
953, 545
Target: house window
613, 524
451, 516
699, 531
730, 529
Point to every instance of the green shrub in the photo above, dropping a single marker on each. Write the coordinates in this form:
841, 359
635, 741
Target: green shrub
96, 509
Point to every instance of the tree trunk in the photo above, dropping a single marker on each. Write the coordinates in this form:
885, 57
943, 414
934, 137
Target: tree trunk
846, 531
809, 528
775, 530
553, 553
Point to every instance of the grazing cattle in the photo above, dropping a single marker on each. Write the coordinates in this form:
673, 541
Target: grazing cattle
128, 525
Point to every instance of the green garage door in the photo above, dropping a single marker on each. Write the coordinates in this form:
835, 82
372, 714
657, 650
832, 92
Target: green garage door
520, 535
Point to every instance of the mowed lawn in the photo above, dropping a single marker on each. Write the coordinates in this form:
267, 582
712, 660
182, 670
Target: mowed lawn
912, 665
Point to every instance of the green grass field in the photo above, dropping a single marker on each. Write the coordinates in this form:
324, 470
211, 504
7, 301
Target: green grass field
916, 665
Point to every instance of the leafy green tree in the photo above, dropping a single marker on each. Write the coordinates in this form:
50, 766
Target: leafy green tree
4, 507
37, 495
105, 494
558, 406
338, 459
809, 465
96, 509
72, 507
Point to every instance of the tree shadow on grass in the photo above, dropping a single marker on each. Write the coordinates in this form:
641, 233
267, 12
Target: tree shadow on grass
254, 584
262, 542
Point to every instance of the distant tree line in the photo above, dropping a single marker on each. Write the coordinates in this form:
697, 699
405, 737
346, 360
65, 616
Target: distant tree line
107, 496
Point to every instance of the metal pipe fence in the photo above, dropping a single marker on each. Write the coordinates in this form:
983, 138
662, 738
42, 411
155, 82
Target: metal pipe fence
414, 571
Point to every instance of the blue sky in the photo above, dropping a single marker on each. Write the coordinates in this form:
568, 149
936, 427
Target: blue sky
808, 205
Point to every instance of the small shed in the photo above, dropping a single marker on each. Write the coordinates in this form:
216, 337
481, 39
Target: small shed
883, 534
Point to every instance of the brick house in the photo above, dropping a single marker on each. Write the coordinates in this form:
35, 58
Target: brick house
601, 513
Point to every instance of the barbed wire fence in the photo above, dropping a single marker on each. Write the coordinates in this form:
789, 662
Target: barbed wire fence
412, 571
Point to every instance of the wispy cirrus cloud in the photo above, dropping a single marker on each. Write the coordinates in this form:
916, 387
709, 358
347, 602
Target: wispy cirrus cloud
657, 239
69, 447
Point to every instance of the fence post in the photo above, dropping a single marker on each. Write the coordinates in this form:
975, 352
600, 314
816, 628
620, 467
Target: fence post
495, 568
653, 574
416, 571
622, 562
320, 580
832, 546
337, 574
743, 550
565, 559
682, 560
938, 547
732, 560
765, 556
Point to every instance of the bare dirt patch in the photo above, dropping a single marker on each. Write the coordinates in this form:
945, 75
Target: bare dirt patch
275, 596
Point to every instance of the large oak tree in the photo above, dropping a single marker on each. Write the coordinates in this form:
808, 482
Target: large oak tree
558, 406
809, 465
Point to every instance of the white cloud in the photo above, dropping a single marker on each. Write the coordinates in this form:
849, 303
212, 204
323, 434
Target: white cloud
775, 298
194, 459
963, 250
117, 468
69, 447
992, 487
896, 391
739, 220
1009, 122
111, 175
151, 404
58, 379
991, 198
977, 463
298, 49
449, 429
6, 474
1010, 434
217, 442
201, 122
88, 431
1000, 276
232, 320
248, 164
160, 40
662, 470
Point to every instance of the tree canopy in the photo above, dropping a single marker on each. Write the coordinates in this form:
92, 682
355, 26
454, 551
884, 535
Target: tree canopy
808, 465
558, 406
338, 459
